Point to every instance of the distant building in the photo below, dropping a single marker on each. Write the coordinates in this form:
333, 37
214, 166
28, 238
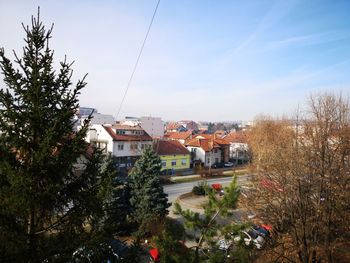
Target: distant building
83, 113
124, 142
203, 126
189, 125
179, 136
173, 154
175, 127
154, 126
98, 118
208, 150
239, 150
220, 133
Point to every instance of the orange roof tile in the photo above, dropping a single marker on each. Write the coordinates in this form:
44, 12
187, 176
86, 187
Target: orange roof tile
240, 137
173, 126
180, 135
205, 144
170, 148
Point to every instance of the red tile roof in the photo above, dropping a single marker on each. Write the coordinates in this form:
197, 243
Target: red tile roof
205, 144
240, 137
214, 138
205, 136
170, 148
126, 137
168, 134
173, 126
180, 135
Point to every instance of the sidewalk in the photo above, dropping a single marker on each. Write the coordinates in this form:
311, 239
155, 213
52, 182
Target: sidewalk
215, 173
180, 177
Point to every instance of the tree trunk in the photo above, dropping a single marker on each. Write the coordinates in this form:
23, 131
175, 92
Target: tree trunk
32, 239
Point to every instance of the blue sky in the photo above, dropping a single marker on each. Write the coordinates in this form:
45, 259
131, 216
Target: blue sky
203, 60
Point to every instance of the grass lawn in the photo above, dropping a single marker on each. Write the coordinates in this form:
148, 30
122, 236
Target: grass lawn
216, 175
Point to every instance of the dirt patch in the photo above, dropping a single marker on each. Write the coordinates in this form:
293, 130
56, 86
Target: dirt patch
191, 200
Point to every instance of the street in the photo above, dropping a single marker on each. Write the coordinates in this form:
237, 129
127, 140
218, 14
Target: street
176, 190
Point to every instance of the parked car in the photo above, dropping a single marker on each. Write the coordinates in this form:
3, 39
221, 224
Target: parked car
229, 164
154, 255
224, 244
218, 165
261, 231
250, 237
167, 172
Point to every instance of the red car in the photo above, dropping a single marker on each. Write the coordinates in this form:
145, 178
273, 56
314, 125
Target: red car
154, 255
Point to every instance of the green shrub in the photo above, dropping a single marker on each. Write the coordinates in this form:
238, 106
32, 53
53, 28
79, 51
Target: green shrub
199, 189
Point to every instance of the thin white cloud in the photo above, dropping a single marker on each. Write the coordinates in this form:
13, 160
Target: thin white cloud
278, 10
311, 39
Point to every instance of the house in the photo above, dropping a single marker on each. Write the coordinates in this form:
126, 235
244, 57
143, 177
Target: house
239, 151
124, 142
207, 149
154, 126
173, 155
179, 136
220, 133
175, 127
189, 125
84, 114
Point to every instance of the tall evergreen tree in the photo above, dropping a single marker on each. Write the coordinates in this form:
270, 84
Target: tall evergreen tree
117, 208
148, 200
46, 208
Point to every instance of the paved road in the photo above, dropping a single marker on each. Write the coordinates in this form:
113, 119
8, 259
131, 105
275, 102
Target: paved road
174, 190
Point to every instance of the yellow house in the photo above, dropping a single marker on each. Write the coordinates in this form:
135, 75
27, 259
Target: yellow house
173, 154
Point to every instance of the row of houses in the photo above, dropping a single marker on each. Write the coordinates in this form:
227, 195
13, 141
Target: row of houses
177, 150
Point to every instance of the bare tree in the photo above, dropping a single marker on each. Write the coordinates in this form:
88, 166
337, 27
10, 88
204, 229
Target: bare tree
303, 181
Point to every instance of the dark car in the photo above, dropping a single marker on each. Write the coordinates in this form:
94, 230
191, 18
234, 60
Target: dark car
167, 172
218, 165
229, 164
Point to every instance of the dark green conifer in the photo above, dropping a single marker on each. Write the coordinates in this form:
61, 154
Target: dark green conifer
147, 197
46, 207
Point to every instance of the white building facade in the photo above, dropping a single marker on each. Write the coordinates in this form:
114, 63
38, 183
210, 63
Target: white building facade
124, 142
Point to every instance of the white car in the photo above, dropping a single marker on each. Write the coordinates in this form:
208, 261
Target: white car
250, 237
224, 244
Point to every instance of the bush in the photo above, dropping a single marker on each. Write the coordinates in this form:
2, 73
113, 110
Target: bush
199, 189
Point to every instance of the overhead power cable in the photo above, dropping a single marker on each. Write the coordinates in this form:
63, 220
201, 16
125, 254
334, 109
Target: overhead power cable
137, 60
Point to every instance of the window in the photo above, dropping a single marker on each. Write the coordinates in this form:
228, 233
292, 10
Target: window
120, 147
163, 163
208, 161
173, 163
216, 160
215, 151
183, 162
133, 146
120, 132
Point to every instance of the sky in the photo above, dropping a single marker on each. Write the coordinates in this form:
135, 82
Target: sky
203, 60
